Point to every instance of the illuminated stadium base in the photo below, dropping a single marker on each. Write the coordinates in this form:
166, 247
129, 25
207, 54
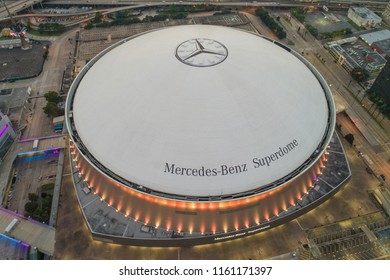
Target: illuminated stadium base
109, 224
151, 213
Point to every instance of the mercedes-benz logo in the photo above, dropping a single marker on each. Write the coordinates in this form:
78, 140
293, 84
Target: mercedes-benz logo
201, 52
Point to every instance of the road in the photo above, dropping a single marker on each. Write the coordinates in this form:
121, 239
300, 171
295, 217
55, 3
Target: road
380, 163
340, 83
336, 76
16, 6
260, 26
50, 79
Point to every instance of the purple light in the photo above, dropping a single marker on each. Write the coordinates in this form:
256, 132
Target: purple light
3, 130
15, 241
54, 150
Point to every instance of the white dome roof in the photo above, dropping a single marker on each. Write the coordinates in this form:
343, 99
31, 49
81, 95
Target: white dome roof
147, 112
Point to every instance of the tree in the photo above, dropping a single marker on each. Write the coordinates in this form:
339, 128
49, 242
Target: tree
46, 53
89, 25
52, 96
32, 197
30, 207
281, 34
350, 138
179, 16
51, 27
299, 14
271, 23
313, 31
41, 215
98, 17
359, 74
46, 203
51, 109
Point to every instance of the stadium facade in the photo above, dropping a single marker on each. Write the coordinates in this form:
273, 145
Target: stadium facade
198, 134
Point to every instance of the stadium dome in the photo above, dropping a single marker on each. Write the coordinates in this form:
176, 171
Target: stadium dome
193, 115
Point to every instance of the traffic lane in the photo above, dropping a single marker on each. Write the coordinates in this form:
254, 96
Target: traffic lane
380, 161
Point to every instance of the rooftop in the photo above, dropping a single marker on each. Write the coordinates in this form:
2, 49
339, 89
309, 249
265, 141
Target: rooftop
384, 46
366, 13
375, 36
181, 121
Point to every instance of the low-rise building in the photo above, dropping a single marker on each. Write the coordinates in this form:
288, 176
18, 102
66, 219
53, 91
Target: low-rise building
10, 43
386, 13
7, 134
364, 17
379, 41
343, 58
374, 61
376, 36
382, 47
355, 56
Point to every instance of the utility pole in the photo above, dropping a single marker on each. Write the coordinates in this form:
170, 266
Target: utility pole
18, 29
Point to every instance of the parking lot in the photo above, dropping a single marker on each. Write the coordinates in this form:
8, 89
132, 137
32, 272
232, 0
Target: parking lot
29, 175
95, 40
328, 22
21, 64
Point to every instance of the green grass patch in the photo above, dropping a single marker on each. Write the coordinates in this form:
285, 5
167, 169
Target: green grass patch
341, 32
47, 187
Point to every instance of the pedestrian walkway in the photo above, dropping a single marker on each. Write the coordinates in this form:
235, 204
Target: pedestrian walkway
28, 231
